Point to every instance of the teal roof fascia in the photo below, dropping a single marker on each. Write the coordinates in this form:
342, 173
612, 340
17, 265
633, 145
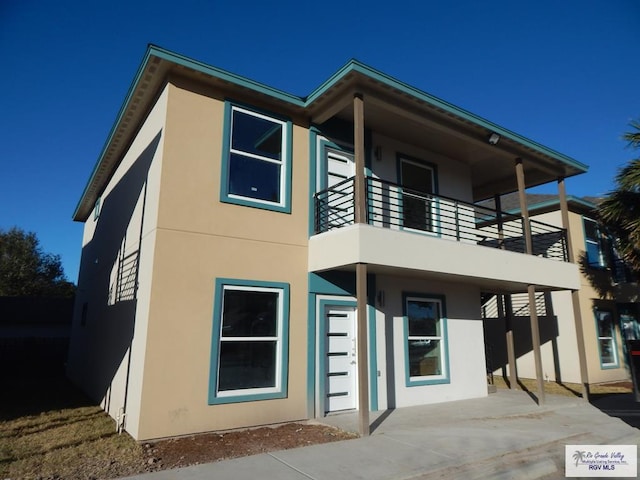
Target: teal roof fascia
355, 65
351, 66
225, 75
112, 132
556, 202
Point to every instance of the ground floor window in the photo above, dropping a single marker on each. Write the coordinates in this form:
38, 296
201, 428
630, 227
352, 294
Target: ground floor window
606, 338
426, 339
249, 348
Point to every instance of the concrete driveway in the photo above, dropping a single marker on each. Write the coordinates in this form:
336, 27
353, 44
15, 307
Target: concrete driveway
505, 436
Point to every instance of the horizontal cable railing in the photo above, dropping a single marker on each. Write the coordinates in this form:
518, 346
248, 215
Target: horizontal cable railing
392, 206
334, 207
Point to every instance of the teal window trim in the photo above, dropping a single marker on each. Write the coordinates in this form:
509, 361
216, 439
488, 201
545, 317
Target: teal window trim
311, 354
614, 343
373, 349
435, 203
422, 381
284, 205
282, 364
96, 208
598, 243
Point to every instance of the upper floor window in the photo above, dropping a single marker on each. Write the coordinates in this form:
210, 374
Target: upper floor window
419, 210
96, 208
256, 163
594, 243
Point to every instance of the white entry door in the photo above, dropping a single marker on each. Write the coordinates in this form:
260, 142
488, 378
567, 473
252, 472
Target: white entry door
340, 166
340, 361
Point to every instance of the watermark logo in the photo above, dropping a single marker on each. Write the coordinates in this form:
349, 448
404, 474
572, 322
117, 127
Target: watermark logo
601, 460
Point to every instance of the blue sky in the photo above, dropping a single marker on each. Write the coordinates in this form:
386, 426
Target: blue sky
563, 73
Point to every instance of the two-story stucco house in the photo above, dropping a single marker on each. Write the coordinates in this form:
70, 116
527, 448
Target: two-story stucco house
253, 257
607, 305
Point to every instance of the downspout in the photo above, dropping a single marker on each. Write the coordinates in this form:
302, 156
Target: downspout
122, 414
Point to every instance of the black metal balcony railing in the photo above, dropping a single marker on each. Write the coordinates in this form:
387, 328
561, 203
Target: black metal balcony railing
389, 205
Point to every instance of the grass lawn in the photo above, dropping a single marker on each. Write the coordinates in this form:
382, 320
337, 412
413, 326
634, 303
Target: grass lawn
49, 430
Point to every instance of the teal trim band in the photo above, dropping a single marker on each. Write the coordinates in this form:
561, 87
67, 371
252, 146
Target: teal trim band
445, 377
284, 206
313, 177
373, 346
154, 53
571, 200
333, 283
311, 356
224, 75
112, 132
358, 67
220, 283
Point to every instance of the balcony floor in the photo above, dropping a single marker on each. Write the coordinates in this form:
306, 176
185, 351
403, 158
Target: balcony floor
408, 253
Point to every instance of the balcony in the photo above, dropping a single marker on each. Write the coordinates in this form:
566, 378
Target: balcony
410, 230
392, 206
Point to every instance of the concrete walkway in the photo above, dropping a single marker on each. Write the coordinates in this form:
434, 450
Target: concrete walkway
503, 436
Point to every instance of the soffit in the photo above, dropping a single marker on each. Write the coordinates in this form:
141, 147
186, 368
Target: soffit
408, 118
391, 108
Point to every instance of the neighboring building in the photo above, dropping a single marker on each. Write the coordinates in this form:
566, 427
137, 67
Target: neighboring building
608, 299
253, 257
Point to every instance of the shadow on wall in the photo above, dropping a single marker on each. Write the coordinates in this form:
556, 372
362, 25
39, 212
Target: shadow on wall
494, 334
106, 299
599, 278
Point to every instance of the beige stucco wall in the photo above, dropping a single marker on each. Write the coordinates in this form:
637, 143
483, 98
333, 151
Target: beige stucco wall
465, 343
563, 308
198, 240
108, 352
589, 296
453, 176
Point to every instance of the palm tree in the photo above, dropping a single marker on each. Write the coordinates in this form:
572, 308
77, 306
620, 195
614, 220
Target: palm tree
579, 456
620, 210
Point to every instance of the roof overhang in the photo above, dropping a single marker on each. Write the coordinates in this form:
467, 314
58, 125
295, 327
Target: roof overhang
391, 106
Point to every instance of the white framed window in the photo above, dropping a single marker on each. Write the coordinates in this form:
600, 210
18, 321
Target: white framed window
419, 209
250, 341
96, 208
426, 339
593, 243
606, 338
256, 159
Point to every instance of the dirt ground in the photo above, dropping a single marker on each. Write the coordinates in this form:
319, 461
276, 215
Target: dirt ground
211, 447
64, 435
